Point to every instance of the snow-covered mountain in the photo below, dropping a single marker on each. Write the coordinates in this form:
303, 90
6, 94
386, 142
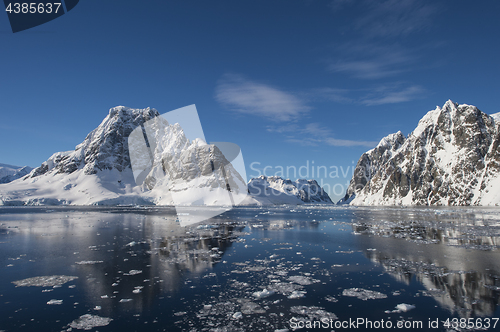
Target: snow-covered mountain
9, 173
451, 158
269, 190
136, 157
99, 170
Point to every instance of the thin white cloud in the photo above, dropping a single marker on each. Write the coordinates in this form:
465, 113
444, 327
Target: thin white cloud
249, 97
306, 141
393, 95
393, 18
325, 135
316, 129
330, 94
245, 96
397, 92
344, 142
388, 18
370, 61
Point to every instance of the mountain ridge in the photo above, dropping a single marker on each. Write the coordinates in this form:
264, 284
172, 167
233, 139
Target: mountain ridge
451, 158
115, 165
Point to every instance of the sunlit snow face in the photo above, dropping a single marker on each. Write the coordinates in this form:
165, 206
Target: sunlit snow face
172, 161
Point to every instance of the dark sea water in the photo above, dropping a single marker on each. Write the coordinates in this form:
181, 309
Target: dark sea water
250, 269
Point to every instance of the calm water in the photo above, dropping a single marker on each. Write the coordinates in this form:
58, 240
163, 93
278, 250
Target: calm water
250, 269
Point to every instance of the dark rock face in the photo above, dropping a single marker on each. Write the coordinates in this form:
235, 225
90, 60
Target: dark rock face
451, 158
371, 161
104, 148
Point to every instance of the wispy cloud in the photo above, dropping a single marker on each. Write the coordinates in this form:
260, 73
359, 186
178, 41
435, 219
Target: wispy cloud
249, 97
380, 94
314, 134
392, 18
371, 61
378, 37
325, 135
392, 95
388, 18
329, 94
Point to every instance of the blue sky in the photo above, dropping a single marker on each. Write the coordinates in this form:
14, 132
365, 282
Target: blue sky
291, 82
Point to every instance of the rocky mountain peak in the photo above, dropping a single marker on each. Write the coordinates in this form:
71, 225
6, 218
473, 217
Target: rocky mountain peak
104, 148
451, 158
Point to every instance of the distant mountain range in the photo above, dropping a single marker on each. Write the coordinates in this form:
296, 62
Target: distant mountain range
178, 172
9, 173
451, 158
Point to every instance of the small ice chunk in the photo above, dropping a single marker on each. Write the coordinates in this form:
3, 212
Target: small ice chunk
125, 300
249, 308
88, 322
297, 295
44, 281
402, 307
97, 307
363, 294
55, 302
263, 294
132, 272
330, 298
89, 262
302, 280
313, 312
237, 315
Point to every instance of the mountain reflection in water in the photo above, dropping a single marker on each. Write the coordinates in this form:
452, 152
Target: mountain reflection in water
138, 266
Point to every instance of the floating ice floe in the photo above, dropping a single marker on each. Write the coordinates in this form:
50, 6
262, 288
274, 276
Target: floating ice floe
125, 300
297, 295
284, 288
302, 280
237, 315
313, 312
330, 298
402, 307
132, 272
248, 307
54, 302
89, 262
88, 322
263, 294
363, 294
44, 281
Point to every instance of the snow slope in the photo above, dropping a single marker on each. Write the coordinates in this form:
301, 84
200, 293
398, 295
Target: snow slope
451, 158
